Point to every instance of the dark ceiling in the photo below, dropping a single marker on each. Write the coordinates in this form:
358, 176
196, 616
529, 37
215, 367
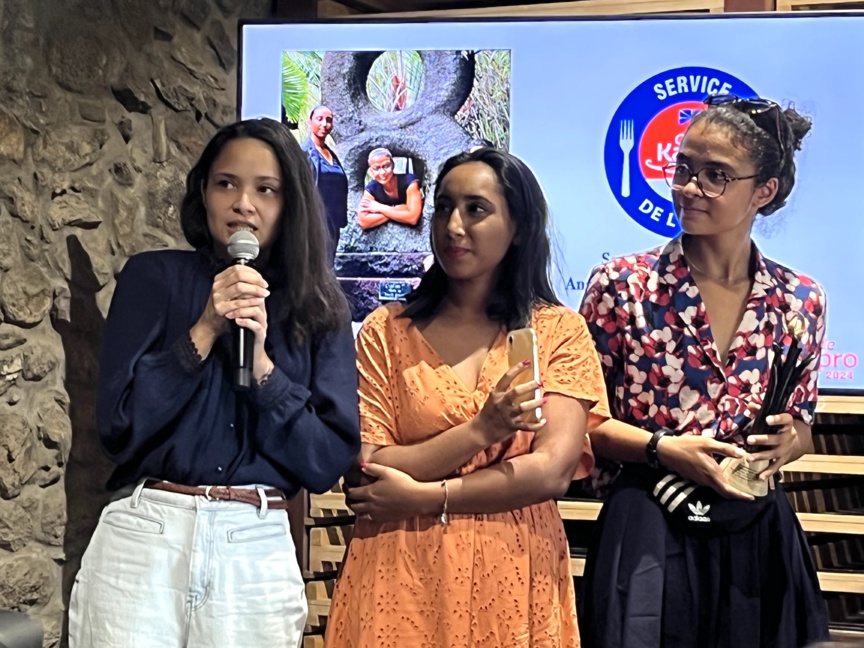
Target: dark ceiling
379, 6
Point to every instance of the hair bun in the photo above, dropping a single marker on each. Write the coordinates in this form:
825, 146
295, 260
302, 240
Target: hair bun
799, 126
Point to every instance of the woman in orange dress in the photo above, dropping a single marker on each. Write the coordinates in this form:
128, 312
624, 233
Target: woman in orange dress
458, 540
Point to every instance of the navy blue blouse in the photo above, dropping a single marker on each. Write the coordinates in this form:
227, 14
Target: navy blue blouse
163, 414
332, 186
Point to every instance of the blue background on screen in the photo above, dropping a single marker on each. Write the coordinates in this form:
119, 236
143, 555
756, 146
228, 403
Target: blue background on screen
570, 77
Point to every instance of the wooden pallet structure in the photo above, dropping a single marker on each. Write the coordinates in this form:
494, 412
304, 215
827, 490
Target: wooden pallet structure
327, 527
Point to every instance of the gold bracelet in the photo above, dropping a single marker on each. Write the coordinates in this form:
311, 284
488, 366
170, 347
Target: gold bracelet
444, 518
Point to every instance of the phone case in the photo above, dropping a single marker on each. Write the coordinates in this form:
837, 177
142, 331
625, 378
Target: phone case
521, 346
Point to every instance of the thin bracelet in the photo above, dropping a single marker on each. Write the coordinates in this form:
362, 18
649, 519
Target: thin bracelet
266, 377
444, 518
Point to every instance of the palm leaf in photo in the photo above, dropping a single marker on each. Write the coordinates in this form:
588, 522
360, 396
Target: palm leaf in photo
295, 90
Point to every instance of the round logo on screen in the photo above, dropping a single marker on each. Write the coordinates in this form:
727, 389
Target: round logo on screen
644, 136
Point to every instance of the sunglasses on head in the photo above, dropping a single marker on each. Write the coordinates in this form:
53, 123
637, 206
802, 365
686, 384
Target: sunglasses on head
758, 109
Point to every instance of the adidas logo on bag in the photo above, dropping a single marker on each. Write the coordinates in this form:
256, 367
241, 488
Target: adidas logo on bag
673, 491
700, 513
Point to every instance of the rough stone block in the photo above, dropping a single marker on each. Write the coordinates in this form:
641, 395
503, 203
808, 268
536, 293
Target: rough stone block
83, 58
11, 137
26, 580
10, 337
221, 43
195, 12
73, 209
25, 295
72, 148
15, 526
16, 456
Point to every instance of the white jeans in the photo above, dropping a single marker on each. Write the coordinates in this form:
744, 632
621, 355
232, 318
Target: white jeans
165, 570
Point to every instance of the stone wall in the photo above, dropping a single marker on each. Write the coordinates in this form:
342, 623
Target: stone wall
104, 104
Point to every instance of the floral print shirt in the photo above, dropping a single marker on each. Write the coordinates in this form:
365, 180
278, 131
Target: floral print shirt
660, 361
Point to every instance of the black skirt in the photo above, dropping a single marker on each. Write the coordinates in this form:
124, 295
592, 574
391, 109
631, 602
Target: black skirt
650, 585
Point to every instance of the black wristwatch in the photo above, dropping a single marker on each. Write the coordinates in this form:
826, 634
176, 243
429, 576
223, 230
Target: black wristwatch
651, 447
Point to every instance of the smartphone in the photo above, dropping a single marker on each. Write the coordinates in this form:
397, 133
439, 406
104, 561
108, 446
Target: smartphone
521, 346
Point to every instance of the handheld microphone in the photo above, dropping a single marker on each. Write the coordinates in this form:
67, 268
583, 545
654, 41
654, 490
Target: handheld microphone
243, 248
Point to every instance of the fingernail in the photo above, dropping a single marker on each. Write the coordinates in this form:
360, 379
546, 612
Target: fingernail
543, 421
267, 293
525, 363
739, 452
545, 400
363, 465
540, 383
751, 439
770, 420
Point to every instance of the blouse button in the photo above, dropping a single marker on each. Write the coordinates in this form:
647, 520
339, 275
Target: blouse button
218, 468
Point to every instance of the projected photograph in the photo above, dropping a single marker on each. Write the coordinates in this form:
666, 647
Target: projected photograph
377, 126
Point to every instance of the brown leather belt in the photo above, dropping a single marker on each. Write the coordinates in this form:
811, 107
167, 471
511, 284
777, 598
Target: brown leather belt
275, 497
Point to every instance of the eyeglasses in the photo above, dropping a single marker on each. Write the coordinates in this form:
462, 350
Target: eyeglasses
711, 182
381, 167
758, 109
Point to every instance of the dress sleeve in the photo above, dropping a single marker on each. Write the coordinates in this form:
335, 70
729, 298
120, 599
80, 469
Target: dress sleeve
377, 407
144, 380
573, 369
598, 309
802, 405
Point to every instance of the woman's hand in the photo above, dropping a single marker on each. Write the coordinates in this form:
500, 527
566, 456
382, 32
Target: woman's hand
501, 416
236, 288
238, 294
369, 206
782, 445
393, 495
692, 457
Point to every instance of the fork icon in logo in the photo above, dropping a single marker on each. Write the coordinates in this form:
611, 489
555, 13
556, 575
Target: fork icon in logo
625, 141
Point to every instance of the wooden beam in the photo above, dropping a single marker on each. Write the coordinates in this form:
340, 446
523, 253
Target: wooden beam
295, 9
571, 8
791, 5
840, 404
748, 5
333, 9
358, 6
827, 464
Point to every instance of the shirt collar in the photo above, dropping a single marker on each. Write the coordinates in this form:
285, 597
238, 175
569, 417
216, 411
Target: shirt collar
672, 269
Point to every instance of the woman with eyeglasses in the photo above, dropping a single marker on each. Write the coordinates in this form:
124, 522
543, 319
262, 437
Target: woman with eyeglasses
389, 196
697, 545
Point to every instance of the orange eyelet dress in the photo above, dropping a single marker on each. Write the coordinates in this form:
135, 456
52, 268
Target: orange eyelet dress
491, 580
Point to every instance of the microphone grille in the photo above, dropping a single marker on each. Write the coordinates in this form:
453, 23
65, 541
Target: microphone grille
243, 246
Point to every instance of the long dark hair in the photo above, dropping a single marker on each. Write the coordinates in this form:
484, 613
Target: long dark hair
312, 302
523, 280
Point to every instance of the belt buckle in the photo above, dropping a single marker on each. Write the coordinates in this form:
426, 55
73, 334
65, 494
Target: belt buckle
218, 493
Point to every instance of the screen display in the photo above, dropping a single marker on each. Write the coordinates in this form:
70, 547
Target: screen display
596, 108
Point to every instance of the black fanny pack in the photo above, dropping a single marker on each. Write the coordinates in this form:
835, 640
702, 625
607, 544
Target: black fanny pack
698, 509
